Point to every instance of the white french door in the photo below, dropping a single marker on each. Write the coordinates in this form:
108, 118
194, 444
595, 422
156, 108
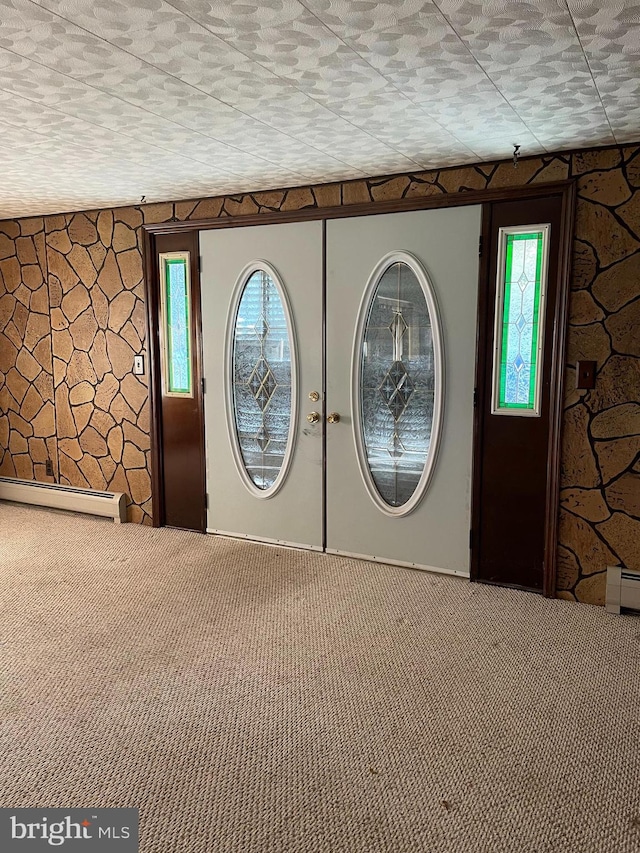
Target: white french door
261, 296
401, 295
421, 428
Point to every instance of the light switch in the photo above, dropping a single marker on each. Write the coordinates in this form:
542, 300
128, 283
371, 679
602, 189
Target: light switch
138, 365
586, 374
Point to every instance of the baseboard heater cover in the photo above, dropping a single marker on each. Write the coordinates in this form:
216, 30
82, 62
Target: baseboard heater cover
623, 589
109, 504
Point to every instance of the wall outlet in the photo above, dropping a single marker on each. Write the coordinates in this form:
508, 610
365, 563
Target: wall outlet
48, 467
138, 365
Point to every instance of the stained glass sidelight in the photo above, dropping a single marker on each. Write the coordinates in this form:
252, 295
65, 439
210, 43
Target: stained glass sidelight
176, 310
397, 384
262, 379
519, 312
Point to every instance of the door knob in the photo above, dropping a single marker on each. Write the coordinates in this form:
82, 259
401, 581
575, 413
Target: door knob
333, 418
313, 417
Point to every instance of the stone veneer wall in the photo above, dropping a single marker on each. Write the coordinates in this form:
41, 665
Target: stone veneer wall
27, 416
90, 316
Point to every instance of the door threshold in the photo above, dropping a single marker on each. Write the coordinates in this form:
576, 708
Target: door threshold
388, 561
280, 543
507, 585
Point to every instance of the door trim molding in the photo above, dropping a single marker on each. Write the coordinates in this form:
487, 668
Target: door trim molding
368, 208
152, 300
567, 217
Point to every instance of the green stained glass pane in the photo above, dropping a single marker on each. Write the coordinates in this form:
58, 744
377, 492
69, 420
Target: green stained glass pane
177, 326
520, 323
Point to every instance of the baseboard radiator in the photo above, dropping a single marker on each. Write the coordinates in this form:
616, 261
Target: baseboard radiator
623, 589
109, 504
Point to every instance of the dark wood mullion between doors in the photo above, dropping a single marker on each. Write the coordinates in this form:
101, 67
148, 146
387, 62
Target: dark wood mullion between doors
482, 337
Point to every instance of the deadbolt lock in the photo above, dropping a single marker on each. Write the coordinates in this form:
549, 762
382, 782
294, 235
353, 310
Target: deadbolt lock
313, 417
314, 396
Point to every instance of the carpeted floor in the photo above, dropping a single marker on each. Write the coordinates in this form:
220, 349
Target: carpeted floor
251, 699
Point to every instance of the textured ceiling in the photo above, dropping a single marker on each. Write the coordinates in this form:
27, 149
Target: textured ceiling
103, 101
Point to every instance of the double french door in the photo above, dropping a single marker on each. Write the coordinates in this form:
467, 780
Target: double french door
339, 361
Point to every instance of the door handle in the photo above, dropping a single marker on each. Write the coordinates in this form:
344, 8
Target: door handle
333, 418
313, 417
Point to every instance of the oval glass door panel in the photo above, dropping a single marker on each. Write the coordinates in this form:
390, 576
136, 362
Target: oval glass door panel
399, 384
263, 381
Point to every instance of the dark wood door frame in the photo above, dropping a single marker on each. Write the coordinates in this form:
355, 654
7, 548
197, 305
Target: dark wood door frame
559, 309
152, 300
564, 189
188, 242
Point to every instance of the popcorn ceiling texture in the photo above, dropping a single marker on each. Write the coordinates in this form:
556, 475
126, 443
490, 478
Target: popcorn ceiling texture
72, 318
220, 95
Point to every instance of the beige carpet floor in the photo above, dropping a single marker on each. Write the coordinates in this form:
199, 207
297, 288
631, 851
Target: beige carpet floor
251, 699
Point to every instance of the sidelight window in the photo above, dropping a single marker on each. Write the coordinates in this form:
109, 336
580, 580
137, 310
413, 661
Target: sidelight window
175, 299
519, 320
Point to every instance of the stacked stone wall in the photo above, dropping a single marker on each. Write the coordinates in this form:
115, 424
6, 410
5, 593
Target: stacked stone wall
97, 327
72, 318
27, 414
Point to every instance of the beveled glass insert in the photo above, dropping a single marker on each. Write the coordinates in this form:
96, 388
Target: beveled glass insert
261, 379
397, 384
176, 320
519, 312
